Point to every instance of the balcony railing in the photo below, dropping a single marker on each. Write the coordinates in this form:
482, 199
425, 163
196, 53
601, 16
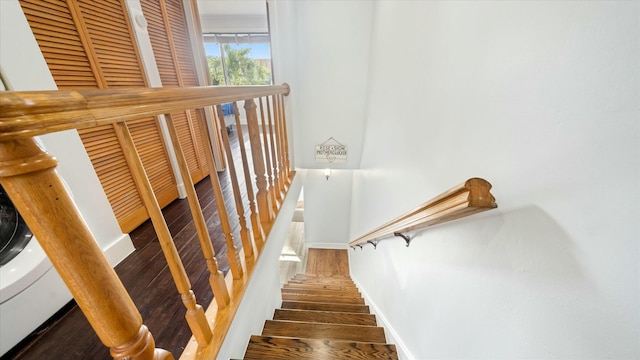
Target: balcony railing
29, 176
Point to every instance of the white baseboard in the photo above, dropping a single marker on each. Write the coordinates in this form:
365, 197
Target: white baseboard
392, 335
119, 250
326, 246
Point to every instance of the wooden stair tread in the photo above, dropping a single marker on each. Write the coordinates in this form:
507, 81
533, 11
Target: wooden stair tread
319, 283
305, 305
331, 287
284, 348
325, 279
316, 276
324, 331
312, 291
323, 298
330, 317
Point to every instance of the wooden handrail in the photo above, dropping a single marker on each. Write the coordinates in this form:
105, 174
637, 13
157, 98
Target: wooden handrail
467, 198
28, 175
32, 113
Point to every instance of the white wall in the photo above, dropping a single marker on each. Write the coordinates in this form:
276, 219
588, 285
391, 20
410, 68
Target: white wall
542, 100
327, 207
329, 92
321, 49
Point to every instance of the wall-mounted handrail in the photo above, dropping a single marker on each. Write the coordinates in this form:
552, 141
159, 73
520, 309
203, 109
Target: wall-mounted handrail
467, 198
28, 175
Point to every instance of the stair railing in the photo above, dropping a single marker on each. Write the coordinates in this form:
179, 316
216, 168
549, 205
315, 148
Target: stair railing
467, 198
28, 175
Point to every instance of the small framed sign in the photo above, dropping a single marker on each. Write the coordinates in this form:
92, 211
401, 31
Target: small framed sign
331, 151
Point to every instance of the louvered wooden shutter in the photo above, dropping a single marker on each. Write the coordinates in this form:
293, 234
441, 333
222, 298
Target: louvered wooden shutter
89, 44
167, 29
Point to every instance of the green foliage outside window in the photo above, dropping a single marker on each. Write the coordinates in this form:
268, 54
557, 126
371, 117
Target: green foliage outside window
242, 69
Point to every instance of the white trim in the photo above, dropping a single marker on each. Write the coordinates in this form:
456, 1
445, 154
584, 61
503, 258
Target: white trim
327, 246
392, 335
119, 250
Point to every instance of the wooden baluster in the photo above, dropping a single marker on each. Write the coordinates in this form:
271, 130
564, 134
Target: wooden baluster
287, 164
244, 232
274, 151
216, 278
28, 175
267, 153
255, 224
217, 192
264, 204
195, 314
278, 123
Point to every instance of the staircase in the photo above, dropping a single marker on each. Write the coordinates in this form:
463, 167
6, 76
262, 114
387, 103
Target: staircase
322, 317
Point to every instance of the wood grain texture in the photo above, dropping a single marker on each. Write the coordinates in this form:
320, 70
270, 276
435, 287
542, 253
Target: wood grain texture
195, 313
87, 45
320, 286
28, 175
328, 262
283, 348
467, 198
30, 113
236, 269
348, 292
146, 276
323, 298
323, 331
325, 317
323, 326
305, 305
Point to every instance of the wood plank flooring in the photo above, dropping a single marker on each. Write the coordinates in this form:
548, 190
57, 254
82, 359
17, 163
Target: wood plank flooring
328, 262
147, 279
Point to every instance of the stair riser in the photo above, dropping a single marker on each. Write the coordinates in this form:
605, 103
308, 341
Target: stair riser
323, 299
321, 287
321, 292
360, 309
325, 317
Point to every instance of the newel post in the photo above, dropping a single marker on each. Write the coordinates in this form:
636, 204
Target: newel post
265, 208
28, 175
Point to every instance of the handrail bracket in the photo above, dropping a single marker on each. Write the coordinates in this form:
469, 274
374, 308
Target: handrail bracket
406, 238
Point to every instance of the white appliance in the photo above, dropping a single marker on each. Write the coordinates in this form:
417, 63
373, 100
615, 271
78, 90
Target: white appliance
31, 291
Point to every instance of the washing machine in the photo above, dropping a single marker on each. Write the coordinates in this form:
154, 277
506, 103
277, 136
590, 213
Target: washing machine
26, 278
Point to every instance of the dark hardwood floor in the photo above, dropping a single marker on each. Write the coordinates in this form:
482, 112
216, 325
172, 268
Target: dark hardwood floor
146, 277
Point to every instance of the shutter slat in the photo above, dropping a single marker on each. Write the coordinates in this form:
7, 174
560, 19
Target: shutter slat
175, 64
105, 25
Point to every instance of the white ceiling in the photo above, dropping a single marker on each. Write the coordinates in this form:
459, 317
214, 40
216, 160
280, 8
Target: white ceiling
233, 16
232, 7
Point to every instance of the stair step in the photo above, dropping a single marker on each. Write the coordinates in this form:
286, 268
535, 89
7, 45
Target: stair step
312, 291
326, 279
304, 305
321, 287
324, 331
316, 276
283, 348
321, 277
329, 317
324, 298
320, 283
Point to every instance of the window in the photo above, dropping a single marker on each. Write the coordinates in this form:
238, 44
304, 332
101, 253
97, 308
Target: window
239, 59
